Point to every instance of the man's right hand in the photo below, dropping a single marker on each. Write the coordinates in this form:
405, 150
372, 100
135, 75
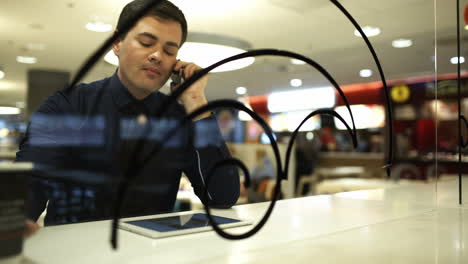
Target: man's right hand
30, 227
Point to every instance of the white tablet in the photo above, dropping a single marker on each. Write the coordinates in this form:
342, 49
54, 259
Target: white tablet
159, 226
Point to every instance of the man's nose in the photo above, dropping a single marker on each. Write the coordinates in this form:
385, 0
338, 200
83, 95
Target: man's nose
155, 56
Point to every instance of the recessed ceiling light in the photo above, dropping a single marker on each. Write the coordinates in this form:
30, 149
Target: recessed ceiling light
402, 43
466, 27
241, 90
98, 26
296, 82
364, 73
26, 59
369, 31
297, 62
2, 74
454, 60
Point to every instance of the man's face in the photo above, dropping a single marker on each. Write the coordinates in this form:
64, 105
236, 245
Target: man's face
148, 54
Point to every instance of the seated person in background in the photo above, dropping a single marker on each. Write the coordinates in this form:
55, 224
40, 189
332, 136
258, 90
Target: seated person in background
82, 142
261, 174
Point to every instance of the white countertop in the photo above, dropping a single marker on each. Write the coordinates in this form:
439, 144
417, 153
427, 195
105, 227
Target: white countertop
412, 224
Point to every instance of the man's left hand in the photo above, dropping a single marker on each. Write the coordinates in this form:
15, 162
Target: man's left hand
194, 97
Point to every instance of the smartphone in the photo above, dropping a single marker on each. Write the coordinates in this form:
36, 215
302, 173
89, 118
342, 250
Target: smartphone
177, 77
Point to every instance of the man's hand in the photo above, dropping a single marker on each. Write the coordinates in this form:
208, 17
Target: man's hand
30, 228
194, 96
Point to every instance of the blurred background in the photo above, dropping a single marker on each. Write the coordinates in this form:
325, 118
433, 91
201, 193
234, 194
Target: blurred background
44, 43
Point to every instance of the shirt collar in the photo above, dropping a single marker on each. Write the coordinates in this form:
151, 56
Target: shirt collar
122, 97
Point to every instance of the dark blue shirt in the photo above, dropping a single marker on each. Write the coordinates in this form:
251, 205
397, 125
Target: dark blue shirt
83, 144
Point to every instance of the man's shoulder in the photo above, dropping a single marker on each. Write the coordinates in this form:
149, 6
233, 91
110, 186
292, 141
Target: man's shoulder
90, 89
85, 94
71, 100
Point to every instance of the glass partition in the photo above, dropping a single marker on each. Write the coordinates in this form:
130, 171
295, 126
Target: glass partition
410, 38
124, 141
450, 101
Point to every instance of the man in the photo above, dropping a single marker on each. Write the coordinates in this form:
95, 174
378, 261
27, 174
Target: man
83, 142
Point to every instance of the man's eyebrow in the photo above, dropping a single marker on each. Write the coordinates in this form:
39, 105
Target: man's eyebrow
149, 35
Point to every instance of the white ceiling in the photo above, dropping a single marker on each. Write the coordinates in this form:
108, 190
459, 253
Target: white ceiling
314, 28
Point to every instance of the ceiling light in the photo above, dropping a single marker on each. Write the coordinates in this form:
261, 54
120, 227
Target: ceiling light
297, 62
365, 73
314, 98
369, 31
206, 49
466, 27
2, 74
454, 60
26, 59
98, 26
296, 82
241, 90
205, 54
402, 43
7, 110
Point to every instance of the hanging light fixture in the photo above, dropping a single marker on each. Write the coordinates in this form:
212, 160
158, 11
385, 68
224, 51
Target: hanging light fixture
205, 49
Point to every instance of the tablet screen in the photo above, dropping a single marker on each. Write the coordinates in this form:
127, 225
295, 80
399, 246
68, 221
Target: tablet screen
174, 223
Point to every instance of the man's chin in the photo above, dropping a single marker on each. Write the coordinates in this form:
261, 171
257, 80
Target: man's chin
150, 87
150, 90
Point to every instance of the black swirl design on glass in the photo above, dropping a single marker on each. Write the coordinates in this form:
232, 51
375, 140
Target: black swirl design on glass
461, 142
281, 174
135, 168
389, 157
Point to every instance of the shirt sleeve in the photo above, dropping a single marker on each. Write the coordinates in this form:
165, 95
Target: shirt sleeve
41, 147
209, 148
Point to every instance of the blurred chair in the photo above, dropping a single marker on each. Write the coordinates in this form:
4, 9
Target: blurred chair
311, 180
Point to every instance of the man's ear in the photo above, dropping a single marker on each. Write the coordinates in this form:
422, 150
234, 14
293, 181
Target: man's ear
116, 46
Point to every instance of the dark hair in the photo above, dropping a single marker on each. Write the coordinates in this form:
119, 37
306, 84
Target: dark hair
164, 10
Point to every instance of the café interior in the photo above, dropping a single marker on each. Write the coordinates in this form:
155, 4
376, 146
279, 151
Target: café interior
383, 179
